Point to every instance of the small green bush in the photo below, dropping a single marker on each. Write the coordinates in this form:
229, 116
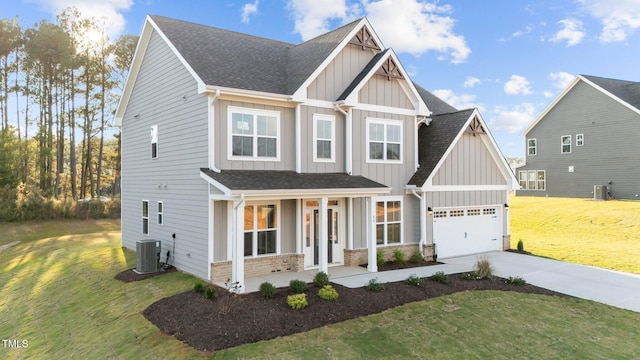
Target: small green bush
440, 277
483, 268
416, 257
515, 280
471, 275
321, 279
520, 245
211, 293
374, 285
267, 290
380, 258
328, 293
414, 280
297, 301
398, 256
298, 286
198, 287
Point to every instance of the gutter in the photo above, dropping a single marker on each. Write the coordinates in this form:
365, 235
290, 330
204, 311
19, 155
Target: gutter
349, 137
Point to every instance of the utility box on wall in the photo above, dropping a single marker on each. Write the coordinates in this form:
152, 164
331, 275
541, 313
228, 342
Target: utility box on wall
147, 256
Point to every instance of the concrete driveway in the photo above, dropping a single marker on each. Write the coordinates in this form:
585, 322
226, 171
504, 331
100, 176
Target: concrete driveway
605, 286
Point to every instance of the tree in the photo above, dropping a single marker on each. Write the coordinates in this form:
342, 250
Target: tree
10, 38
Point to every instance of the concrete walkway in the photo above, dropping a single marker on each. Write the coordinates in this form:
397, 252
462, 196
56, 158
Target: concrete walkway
605, 286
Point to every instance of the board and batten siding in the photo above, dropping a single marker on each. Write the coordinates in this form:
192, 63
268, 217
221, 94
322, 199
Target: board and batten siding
306, 132
339, 74
609, 154
381, 91
165, 94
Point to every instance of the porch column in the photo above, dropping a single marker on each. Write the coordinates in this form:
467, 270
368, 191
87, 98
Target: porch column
350, 223
237, 241
323, 235
371, 234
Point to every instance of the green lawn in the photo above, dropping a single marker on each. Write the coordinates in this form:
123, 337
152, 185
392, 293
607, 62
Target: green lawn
605, 234
58, 293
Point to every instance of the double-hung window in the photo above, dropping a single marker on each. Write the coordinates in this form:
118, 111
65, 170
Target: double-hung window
253, 134
160, 213
532, 147
145, 217
260, 229
324, 138
532, 180
154, 142
388, 221
565, 142
579, 139
384, 140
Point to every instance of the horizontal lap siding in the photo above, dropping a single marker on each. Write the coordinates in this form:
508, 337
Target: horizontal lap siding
165, 94
610, 151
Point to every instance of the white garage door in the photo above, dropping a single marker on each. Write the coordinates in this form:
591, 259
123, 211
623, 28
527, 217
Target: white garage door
467, 231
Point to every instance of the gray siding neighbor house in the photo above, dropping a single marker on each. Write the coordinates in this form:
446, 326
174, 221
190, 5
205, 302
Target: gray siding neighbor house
585, 143
247, 156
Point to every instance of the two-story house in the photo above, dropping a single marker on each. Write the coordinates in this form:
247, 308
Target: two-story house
583, 145
247, 156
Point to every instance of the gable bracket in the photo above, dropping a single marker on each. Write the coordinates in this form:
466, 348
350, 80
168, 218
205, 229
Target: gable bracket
475, 127
365, 40
390, 70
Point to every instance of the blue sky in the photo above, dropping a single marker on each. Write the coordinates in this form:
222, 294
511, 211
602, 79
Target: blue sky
508, 58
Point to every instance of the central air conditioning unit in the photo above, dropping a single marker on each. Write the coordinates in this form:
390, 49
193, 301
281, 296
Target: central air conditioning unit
600, 192
147, 256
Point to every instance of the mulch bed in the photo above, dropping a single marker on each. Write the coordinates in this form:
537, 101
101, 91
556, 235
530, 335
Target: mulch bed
129, 275
390, 265
199, 322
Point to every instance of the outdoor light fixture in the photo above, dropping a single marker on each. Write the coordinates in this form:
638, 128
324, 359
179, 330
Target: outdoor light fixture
506, 207
429, 211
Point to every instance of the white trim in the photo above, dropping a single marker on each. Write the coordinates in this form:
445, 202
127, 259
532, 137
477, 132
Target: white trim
332, 120
535, 146
579, 139
535, 179
562, 144
312, 193
438, 188
385, 141
255, 230
386, 109
385, 200
226, 191
145, 217
154, 140
298, 139
160, 213
211, 241
255, 113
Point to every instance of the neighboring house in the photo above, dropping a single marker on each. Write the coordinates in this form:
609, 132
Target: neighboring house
585, 143
247, 156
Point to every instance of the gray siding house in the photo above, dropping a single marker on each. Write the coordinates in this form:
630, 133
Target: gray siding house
246, 156
584, 144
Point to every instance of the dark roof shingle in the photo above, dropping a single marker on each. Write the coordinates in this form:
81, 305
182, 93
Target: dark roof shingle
627, 91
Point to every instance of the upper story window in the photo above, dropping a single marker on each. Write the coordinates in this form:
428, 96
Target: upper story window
384, 140
579, 139
324, 138
532, 147
254, 134
154, 142
565, 142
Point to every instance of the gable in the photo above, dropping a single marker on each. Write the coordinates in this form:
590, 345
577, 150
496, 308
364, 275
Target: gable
384, 91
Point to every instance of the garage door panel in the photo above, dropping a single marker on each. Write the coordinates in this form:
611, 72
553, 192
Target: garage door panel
459, 232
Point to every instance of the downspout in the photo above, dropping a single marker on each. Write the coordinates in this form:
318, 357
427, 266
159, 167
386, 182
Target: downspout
298, 143
237, 257
212, 112
349, 139
422, 218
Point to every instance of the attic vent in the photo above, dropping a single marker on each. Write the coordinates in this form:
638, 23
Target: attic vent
475, 127
390, 70
365, 40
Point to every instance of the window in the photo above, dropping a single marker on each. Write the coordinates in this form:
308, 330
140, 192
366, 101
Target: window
565, 140
456, 213
532, 180
388, 222
473, 212
260, 229
384, 140
145, 217
579, 139
154, 142
323, 138
532, 145
491, 211
440, 214
160, 213
254, 134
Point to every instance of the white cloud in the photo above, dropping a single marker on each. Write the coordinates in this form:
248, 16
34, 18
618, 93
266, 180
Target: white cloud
462, 101
248, 10
410, 26
512, 118
519, 33
110, 10
518, 85
547, 94
471, 82
561, 79
572, 32
619, 18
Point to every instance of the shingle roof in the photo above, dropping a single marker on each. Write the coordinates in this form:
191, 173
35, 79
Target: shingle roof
434, 103
627, 91
435, 139
362, 75
289, 180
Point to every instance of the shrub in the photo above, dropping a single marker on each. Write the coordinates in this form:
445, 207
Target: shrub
414, 280
298, 286
267, 290
321, 279
398, 256
198, 287
374, 285
483, 268
328, 293
515, 280
472, 275
380, 258
440, 277
520, 245
416, 257
297, 301
211, 293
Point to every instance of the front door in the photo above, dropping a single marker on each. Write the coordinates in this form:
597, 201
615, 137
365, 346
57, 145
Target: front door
312, 231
